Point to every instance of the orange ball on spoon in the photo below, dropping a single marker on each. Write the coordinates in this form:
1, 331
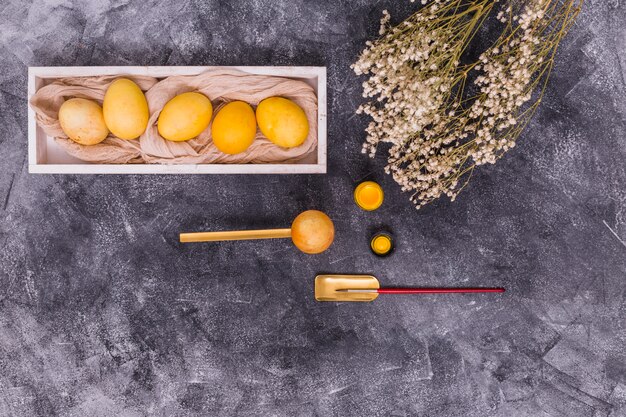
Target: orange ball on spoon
312, 232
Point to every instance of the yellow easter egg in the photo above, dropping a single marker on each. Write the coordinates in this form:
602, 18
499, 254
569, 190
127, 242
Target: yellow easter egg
185, 116
282, 121
234, 127
82, 121
125, 109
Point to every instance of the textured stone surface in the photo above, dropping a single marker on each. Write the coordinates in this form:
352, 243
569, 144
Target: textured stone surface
104, 313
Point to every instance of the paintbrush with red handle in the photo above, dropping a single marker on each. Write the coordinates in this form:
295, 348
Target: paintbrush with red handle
420, 290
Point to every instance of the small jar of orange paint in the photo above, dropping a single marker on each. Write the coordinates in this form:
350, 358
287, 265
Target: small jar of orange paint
381, 244
368, 195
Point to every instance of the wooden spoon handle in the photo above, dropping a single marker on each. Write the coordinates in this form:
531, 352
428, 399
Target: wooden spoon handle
235, 235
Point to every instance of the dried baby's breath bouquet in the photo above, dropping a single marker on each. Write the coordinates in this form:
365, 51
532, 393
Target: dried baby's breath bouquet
443, 117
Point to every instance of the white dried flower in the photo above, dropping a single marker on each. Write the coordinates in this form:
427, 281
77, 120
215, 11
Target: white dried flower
438, 132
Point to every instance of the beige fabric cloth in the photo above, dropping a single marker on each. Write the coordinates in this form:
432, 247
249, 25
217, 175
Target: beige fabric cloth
221, 86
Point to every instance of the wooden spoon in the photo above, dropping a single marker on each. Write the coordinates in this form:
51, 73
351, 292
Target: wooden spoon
312, 232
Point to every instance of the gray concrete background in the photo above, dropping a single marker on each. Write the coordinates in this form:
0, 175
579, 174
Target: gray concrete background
104, 313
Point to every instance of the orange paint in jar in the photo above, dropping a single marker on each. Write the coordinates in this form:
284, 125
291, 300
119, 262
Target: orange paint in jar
368, 195
381, 244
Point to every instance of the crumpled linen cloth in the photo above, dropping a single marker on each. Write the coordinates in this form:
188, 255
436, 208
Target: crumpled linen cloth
221, 86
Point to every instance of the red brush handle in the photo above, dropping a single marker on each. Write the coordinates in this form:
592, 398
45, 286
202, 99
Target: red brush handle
436, 290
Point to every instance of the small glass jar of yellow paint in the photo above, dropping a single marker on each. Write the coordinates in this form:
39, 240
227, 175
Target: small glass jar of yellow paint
381, 244
368, 195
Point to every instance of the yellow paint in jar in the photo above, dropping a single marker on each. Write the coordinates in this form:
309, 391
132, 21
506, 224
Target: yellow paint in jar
368, 195
381, 244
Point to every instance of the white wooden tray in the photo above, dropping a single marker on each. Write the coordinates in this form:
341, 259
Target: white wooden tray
45, 157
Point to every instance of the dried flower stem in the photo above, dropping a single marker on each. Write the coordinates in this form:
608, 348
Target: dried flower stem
440, 124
